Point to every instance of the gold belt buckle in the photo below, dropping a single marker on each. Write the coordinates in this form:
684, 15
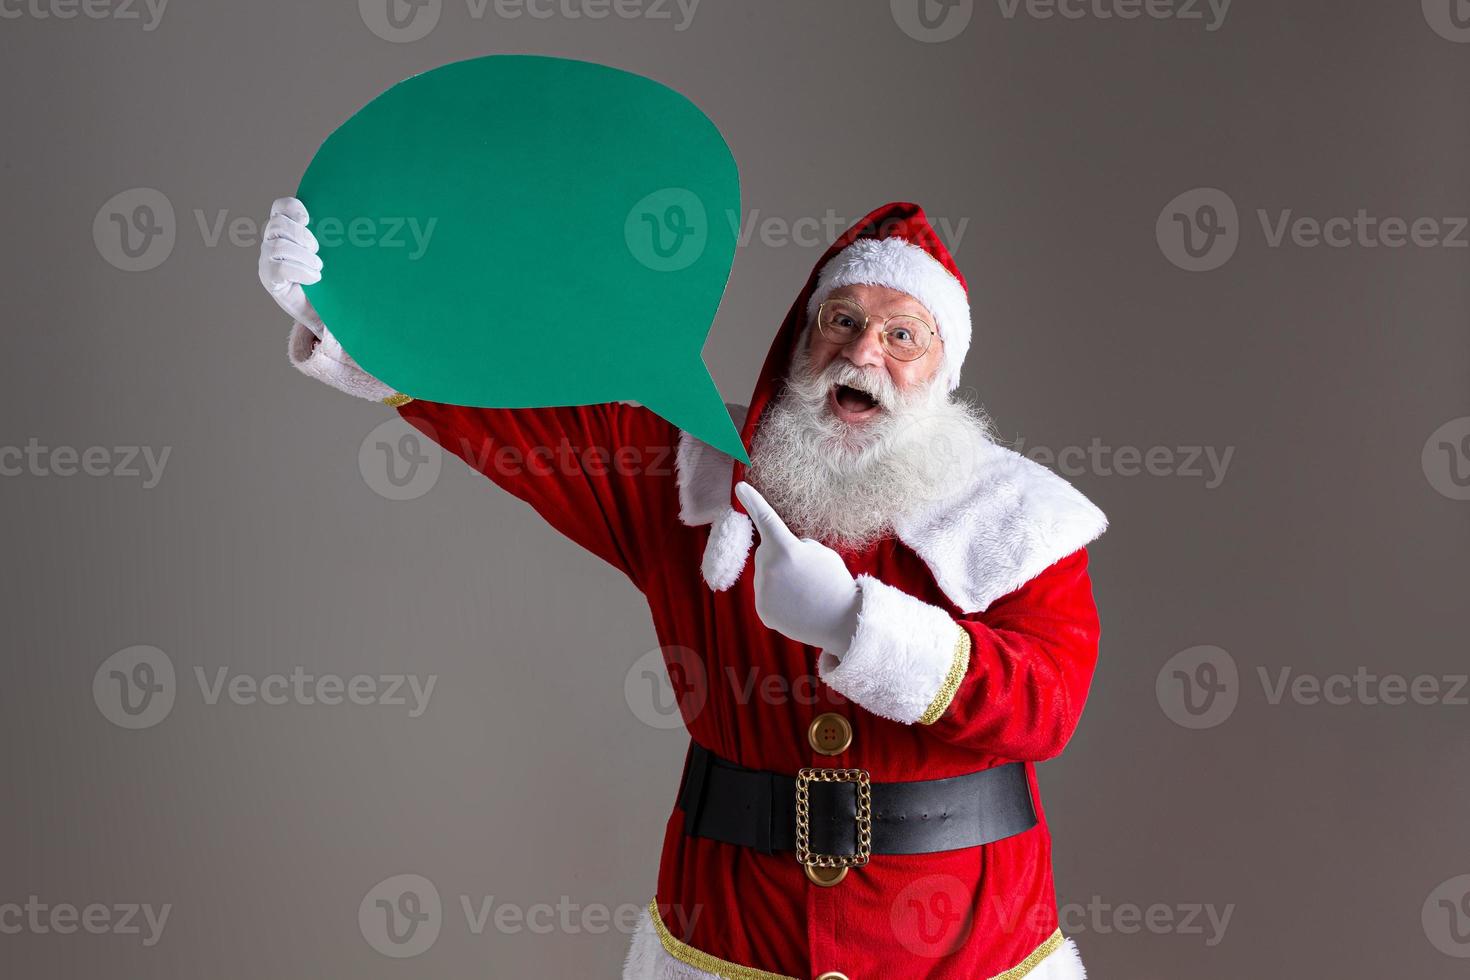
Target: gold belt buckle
804, 855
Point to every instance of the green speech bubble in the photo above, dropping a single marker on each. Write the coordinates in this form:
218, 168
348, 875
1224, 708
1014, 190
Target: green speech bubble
519, 231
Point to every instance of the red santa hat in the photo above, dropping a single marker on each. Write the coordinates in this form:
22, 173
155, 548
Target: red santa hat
901, 251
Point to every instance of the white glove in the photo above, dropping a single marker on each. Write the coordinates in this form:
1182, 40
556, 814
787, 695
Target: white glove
802, 588
289, 260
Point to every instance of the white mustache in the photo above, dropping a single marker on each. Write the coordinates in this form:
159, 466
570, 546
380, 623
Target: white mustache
872, 381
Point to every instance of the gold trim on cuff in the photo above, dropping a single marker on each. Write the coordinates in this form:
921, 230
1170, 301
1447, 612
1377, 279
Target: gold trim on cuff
957, 668
687, 954
393, 401
1031, 962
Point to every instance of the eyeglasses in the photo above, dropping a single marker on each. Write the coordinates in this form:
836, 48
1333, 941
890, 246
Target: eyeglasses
904, 336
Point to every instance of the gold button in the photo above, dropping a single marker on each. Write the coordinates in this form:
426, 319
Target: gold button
830, 734
826, 877
833, 975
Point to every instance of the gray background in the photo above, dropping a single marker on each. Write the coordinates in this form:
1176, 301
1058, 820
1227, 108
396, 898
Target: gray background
1329, 546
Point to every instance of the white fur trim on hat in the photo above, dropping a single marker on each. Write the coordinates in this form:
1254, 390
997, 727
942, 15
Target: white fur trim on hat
902, 265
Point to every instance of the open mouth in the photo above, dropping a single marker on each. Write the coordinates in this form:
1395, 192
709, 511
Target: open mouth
853, 404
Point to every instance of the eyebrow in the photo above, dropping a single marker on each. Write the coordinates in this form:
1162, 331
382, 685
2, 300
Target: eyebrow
916, 309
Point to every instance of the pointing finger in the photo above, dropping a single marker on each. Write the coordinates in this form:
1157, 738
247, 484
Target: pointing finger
767, 521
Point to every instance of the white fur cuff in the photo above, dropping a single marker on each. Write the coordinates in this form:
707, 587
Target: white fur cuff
326, 361
905, 660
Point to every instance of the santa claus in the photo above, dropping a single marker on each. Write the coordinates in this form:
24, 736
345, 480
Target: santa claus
929, 586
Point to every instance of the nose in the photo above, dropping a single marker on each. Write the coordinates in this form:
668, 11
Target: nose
866, 349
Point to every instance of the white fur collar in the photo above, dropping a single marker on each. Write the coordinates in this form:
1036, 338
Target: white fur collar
1013, 518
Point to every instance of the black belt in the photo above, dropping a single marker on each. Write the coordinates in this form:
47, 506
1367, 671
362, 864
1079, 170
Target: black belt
759, 809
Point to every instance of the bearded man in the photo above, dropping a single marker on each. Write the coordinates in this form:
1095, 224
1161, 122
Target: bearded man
935, 582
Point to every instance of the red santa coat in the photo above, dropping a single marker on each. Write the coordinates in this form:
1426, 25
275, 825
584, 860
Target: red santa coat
976, 647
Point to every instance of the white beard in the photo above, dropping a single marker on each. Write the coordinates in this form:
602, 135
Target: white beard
845, 484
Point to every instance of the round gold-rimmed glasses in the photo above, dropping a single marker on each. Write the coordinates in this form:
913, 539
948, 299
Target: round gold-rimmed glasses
904, 336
